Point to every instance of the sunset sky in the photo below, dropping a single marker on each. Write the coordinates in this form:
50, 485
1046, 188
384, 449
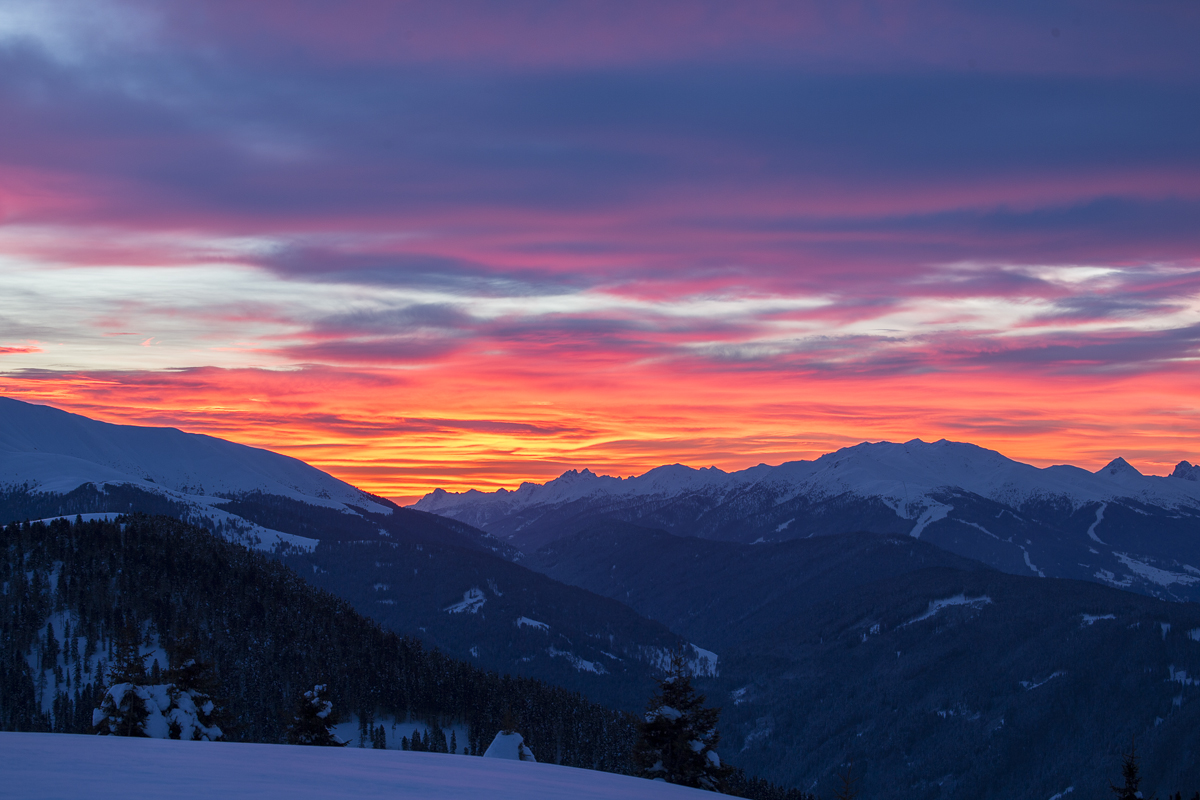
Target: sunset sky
466, 244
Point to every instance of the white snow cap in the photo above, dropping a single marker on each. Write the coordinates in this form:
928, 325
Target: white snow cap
57, 451
509, 745
897, 472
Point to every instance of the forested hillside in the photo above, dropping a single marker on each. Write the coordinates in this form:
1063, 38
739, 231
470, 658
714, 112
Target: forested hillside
70, 589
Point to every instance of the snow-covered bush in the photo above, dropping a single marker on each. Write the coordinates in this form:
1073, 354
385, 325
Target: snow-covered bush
312, 723
179, 709
156, 711
511, 745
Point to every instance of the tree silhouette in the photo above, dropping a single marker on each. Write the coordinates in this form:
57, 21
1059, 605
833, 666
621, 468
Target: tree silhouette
1131, 774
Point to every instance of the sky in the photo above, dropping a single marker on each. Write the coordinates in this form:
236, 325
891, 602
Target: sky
467, 244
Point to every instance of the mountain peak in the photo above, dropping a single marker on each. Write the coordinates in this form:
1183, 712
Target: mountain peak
1118, 466
1187, 471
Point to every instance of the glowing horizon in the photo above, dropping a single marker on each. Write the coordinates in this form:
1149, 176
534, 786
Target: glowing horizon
465, 245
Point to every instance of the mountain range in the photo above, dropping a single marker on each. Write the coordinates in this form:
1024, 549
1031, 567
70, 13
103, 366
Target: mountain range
1114, 526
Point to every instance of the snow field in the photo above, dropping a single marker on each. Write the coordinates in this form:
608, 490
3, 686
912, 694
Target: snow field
51, 766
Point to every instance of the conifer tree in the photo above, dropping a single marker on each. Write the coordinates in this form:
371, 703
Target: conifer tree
1131, 773
678, 736
848, 790
194, 680
122, 710
311, 724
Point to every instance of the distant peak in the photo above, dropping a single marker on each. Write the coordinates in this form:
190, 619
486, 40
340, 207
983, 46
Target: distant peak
572, 474
1118, 466
1187, 471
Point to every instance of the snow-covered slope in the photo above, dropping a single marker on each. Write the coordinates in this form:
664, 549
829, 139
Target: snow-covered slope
58, 451
47, 453
50, 765
1114, 525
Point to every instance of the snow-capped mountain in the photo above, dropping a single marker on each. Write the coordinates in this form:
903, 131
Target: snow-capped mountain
55, 463
1114, 525
902, 474
59, 451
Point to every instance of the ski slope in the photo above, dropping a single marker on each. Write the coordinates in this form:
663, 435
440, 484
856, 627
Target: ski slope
49, 765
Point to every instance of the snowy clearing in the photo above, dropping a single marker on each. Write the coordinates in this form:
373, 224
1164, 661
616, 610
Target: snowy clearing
958, 600
1029, 686
473, 600
1153, 574
1090, 619
933, 514
55, 765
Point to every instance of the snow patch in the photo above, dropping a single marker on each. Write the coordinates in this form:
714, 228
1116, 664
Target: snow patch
1180, 676
932, 514
1033, 567
473, 600
510, 746
957, 600
580, 664
1090, 619
985, 530
1161, 577
1108, 577
1031, 685
1099, 518
523, 622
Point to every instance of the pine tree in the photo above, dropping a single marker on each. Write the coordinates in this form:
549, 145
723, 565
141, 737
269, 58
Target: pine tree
123, 710
311, 721
847, 791
194, 688
1131, 772
678, 737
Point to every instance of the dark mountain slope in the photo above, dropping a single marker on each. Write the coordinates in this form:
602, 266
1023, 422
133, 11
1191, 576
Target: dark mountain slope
720, 593
481, 608
945, 683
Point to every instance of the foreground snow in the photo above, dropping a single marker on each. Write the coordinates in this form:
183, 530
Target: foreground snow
47, 765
